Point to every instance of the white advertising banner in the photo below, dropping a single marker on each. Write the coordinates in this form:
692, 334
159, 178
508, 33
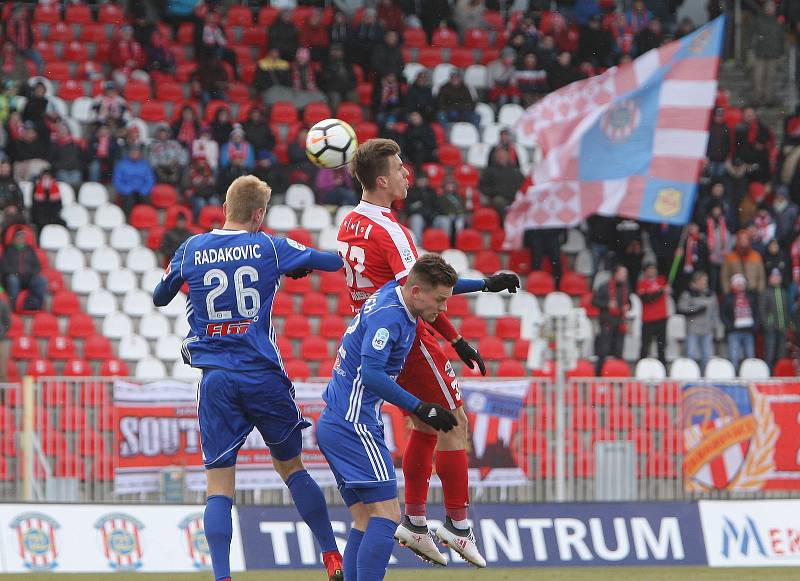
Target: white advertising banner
107, 538
754, 533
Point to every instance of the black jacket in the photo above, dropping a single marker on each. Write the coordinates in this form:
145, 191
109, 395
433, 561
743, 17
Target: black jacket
21, 261
726, 312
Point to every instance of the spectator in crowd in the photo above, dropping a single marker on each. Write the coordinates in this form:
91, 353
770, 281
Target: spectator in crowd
222, 126
596, 44
526, 27
167, 157
763, 228
283, 36
501, 181
30, 153
110, 107
775, 258
19, 32
127, 54
650, 37
10, 192
211, 41
338, 79
638, 16
546, 242
272, 71
612, 299
5, 326
601, 235
390, 15
187, 127
206, 149
718, 196
452, 210
201, 186
768, 41
335, 187
501, 76
420, 96
432, 13
468, 14
506, 142
583, 10
561, 73
531, 80
68, 157
365, 37
739, 313
794, 258
133, 178
314, 36
455, 102
387, 99
664, 240
173, 238
21, 268
300, 169
340, 30
159, 56
13, 65
237, 150
256, 131
775, 316
419, 143
36, 106
103, 153
629, 247
46, 206
754, 140
304, 80
387, 57
700, 307
653, 290
268, 170
685, 27
422, 206
693, 255
786, 213
547, 52
211, 80
719, 144
623, 35
745, 261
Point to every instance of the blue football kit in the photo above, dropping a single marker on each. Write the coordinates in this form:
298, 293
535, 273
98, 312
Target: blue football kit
233, 276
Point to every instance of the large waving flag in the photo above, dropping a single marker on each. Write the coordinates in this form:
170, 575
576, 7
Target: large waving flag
630, 142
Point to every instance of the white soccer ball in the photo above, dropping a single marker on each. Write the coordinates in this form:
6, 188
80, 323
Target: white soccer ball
331, 143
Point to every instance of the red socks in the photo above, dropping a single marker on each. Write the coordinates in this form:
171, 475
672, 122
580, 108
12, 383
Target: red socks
452, 468
417, 468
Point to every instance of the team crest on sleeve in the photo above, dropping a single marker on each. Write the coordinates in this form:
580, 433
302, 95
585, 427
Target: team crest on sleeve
295, 244
380, 339
122, 545
196, 543
36, 536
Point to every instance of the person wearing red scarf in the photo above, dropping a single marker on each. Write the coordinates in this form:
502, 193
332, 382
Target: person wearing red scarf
694, 254
613, 301
740, 315
46, 207
653, 290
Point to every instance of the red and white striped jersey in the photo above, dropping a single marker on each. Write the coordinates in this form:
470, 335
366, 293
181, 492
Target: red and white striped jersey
376, 248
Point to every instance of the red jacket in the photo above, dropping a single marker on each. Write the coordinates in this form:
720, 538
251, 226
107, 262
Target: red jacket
654, 298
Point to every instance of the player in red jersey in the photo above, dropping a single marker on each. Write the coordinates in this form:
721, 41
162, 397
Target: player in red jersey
376, 248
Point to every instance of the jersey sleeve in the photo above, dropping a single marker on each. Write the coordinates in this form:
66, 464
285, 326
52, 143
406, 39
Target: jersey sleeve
291, 255
380, 337
172, 280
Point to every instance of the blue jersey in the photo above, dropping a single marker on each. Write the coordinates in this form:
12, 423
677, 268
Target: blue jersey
233, 276
383, 331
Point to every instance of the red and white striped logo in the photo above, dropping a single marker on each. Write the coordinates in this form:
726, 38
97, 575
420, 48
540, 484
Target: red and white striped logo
36, 535
195, 538
122, 545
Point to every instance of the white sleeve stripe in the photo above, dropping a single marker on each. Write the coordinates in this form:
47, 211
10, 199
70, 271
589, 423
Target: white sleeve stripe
398, 236
184, 252
275, 250
400, 275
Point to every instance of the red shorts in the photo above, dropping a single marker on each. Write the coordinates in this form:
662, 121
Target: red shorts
428, 374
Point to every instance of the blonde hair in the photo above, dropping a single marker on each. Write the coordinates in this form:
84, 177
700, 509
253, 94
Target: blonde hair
371, 160
244, 196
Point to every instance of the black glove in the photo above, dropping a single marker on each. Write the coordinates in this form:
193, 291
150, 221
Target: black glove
469, 355
298, 273
436, 416
500, 282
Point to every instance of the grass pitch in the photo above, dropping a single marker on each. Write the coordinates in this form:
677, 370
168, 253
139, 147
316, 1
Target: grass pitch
521, 574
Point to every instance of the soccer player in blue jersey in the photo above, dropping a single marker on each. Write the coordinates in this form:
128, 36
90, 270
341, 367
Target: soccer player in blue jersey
350, 429
233, 275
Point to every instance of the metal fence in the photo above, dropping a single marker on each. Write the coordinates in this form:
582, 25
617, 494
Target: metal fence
623, 440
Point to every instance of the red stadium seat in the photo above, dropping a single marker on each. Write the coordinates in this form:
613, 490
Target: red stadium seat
507, 327
70, 90
574, 284
510, 368
476, 38
343, 307
540, 283
457, 306
469, 240
286, 347
586, 305
297, 369
58, 71
40, 368
445, 38
153, 112
76, 52
487, 261
314, 348
97, 347
492, 348
461, 57
143, 216
163, 196
316, 112
239, 16
169, 91
283, 112
112, 367
486, 220
301, 235
24, 347
65, 303
364, 92
77, 368
296, 327
332, 327
784, 367
613, 367
137, 91
47, 51
154, 236
110, 13
435, 173
473, 328
16, 329
60, 347
254, 36
466, 176
414, 38
435, 240
283, 305
47, 13
430, 56
449, 155
93, 32
80, 325
267, 15
325, 368
44, 325
331, 283
299, 286
172, 215
350, 113
315, 304
210, 215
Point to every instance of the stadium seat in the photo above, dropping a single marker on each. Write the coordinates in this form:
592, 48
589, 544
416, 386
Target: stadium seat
315, 218
109, 217
92, 195
75, 216
40, 368
281, 218
122, 281
112, 367
457, 259
299, 196
133, 348
53, 237
154, 237
458, 306
110, 13
44, 325
720, 369
283, 113
296, 327
510, 368
784, 367
60, 347
463, 135
445, 38
163, 195
285, 347
89, 237
449, 155
435, 240
69, 259
485, 220
141, 259
172, 214
76, 52
101, 303
85, 280
124, 237
314, 348
180, 370
487, 261
152, 326
331, 283
540, 283
65, 303
314, 304
650, 369
117, 325
429, 56
282, 306
77, 368
574, 284
24, 347
296, 286
168, 348
350, 113
209, 216
461, 57
489, 305
297, 369
137, 303
476, 38
492, 348
97, 347
468, 240
143, 217
613, 367
473, 328
332, 327
754, 369
509, 114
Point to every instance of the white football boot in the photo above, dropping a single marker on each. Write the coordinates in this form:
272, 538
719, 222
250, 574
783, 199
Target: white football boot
420, 540
461, 541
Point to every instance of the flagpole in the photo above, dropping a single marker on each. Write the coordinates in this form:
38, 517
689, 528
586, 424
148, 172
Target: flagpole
673, 271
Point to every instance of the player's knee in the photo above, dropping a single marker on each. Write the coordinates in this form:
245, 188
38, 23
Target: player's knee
389, 509
286, 468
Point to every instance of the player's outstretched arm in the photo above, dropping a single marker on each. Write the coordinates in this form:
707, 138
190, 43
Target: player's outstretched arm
492, 284
294, 259
172, 280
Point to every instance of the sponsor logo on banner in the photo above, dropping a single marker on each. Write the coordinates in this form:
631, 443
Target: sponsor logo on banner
196, 542
751, 533
121, 537
546, 535
36, 535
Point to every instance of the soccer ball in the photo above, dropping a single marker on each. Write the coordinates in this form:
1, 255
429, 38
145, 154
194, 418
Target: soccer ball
331, 143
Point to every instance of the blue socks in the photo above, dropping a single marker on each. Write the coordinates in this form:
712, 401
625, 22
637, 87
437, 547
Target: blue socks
310, 503
350, 557
376, 549
219, 530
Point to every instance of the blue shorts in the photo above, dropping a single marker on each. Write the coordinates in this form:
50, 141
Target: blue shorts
358, 457
230, 404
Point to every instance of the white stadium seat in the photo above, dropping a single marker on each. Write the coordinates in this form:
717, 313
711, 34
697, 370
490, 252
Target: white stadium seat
67, 193
491, 133
490, 305
457, 259
575, 242
650, 369
509, 114
75, 216
181, 328
526, 306
168, 348
486, 113
133, 347
327, 238
557, 303
153, 326
676, 327
281, 218
48, 85
719, 368
120, 281
315, 218
176, 307
182, 371
92, 195
125, 237
150, 368
89, 237
81, 109
150, 279
109, 216
441, 74
141, 127
299, 196
476, 77
341, 213
411, 70
524, 158
101, 303
117, 325
632, 346
59, 105
755, 369
69, 259
53, 237
137, 303
105, 260
684, 368
478, 155
85, 280
140, 259
74, 127
583, 262
27, 193
463, 135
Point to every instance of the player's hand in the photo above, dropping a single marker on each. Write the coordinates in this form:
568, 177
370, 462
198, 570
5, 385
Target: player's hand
469, 355
298, 273
436, 416
500, 282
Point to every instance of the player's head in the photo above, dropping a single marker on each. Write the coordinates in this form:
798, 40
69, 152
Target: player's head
377, 165
246, 202
430, 283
